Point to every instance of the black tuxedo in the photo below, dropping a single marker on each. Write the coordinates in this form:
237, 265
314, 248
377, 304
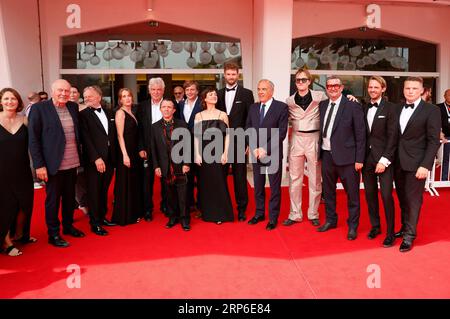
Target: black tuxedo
348, 146
237, 119
47, 143
144, 118
161, 158
417, 147
445, 118
276, 117
193, 173
97, 143
381, 142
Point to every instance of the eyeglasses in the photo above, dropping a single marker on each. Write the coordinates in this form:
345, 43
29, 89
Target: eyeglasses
333, 86
301, 80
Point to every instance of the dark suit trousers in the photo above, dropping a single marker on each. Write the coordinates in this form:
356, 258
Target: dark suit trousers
98, 185
60, 188
240, 184
386, 179
192, 176
177, 201
410, 194
148, 184
259, 180
350, 180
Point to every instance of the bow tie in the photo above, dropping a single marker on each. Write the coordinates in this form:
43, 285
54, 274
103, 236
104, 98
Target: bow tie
409, 105
373, 105
99, 110
232, 89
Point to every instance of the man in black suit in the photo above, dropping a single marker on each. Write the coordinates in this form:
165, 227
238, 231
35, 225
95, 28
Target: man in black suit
172, 171
418, 142
98, 136
54, 146
382, 135
149, 112
445, 134
342, 147
235, 101
186, 111
267, 123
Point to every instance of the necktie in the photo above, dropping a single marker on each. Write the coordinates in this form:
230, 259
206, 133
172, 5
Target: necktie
327, 123
261, 113
409, 105
373, 105
232, 89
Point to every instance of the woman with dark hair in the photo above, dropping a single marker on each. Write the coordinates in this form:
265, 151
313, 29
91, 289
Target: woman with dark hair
16, 191
211, 153
127, 193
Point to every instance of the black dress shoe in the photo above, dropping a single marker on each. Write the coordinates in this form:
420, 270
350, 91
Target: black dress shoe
325, 227
241, 217
57, 241
255, 220
405, 246
271, 225
185, 225
172, 222
72, 231
399, 234
108, 223
289, 222
148, 216
374, 232
351, 235
163, 209
98, 230
315, 222
388, 241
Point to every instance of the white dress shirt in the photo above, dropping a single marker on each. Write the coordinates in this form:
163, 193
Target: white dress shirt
371, 113
406, 114
188, 108
229, 97
326, 141
266, 109
156, 111
102, 117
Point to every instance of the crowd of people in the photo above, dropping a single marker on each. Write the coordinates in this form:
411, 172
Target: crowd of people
192, 140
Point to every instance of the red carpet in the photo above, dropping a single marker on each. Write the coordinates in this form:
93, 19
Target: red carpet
234, 260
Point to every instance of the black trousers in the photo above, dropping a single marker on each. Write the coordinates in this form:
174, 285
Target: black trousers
410, 195
177, 201
60, 188
148, 182
240, 184
350, 180
259, 180
386, 180
192, 176
97, 186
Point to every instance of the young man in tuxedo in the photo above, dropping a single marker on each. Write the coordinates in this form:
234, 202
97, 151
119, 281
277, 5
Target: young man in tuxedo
342, 147
445, 134
147, 114
172, 172
235, 100
382, 135
98, 136
267, 117
418, 142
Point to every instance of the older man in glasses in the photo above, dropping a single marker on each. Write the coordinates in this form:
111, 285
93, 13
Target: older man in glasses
342, 150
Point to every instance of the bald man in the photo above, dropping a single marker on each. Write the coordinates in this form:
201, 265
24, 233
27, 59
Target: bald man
54, 147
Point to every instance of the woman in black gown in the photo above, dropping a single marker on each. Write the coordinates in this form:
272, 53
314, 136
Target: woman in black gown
127, 196
211, 127
16, 187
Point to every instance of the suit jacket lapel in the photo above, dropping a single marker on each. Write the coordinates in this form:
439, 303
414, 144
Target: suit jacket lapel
98, 122
236, 98
268, 112
416, 111
338, 114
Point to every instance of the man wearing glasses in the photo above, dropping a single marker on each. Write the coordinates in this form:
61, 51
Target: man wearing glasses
305, 120
342, 150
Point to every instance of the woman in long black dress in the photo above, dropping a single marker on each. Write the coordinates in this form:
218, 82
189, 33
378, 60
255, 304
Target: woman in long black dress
213, 195
16, 188
127, 196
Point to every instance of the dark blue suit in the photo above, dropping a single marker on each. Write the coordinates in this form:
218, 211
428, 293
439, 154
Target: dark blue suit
276, 117
190, 123
47, 143
348, 146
